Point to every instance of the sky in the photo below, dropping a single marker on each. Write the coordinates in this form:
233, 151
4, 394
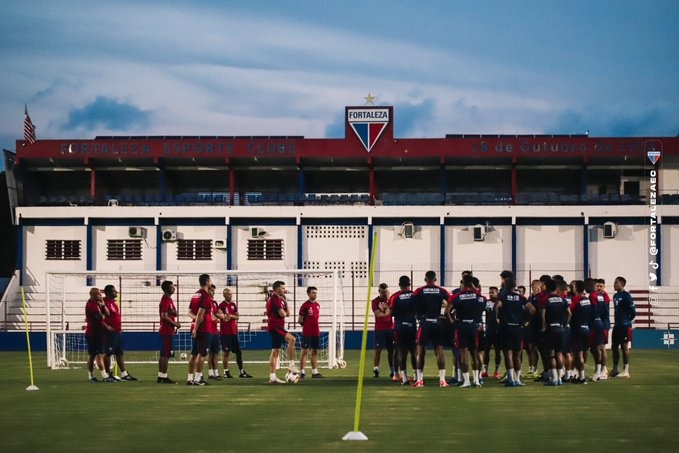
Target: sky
231, 67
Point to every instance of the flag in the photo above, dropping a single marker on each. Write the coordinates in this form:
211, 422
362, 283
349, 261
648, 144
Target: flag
29, 127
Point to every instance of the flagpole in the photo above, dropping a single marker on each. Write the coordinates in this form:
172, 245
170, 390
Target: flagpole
356, 434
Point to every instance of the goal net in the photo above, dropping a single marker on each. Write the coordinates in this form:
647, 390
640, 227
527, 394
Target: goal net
139, 297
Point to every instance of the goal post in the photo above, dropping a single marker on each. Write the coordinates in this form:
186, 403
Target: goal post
139, 295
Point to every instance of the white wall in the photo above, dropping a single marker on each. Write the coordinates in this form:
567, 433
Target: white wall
485, 258
169, 259
397, 254
625, 255
240, 236
342, 246
550, 249
670, 261
669, 180
100, 236
35, 264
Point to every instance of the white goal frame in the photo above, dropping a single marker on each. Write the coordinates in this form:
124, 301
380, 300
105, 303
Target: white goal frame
66, 293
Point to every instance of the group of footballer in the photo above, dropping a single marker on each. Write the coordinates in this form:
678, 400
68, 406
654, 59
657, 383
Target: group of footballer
103, 326
557, 324
214, 327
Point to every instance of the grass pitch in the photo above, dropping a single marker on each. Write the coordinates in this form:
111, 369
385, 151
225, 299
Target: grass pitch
241, 415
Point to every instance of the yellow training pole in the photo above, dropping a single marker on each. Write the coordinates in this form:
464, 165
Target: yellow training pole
356, 434
28, 340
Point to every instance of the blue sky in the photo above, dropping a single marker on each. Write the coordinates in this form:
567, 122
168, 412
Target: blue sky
89, 68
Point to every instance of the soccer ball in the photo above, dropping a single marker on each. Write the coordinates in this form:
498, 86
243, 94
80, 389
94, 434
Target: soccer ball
292, 377
182, 356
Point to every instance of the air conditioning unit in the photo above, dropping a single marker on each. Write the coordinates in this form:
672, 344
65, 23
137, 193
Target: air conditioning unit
137, 232
169, 234
408, 230
610, 230
479, 232
220, 244
257, 232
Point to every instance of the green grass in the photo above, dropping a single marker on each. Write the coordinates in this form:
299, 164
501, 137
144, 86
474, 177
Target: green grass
68, 414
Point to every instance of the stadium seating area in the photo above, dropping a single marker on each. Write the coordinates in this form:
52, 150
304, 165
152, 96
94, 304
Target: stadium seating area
323, 199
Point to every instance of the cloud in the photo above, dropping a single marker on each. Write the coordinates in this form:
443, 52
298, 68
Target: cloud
615, 124
108, 114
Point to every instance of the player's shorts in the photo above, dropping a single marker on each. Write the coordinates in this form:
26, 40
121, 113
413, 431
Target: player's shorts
165, 346
429, 333
598, 335
489, 340
230, 343
405, 335
567, 341
194, 347
113, 344
555, 338
277, 337
94, 344
384, 339
311, 342
580, 338
512, 337
202, 342
214, 344
447, 333
621, 334
529, 336
467, 336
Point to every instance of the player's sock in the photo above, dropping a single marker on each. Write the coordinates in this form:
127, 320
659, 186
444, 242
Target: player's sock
465, 377
90, 375
420, 375
104, 374
198, 377
189, 377
475, 375
123, 374
291, 363
511, 375
555, 375
272, 376
160, 375
442, 375
404, 377
314, 371
626, 368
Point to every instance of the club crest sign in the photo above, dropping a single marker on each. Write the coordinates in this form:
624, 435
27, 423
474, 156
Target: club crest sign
368, 124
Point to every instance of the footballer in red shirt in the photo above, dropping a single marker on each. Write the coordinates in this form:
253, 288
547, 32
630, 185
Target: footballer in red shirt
168, 326
276, 312
114, 343
228, 328
309, 314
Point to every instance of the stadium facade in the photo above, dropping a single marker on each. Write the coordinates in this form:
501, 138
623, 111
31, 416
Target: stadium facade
574, 205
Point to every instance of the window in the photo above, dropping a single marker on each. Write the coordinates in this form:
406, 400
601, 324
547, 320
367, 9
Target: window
194, 249
62, 250
265, 249
123, 249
